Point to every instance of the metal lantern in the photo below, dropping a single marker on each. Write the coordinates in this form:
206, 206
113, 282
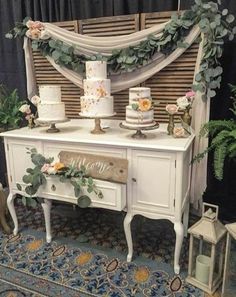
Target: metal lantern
206, 250
229, 279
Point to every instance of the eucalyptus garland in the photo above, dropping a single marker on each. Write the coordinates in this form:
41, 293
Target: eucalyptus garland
215, 25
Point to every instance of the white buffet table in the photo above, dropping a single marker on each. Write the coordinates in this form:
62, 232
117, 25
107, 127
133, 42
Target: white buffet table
158, 172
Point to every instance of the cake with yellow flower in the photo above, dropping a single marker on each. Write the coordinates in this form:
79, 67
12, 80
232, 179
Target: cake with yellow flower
139, 112
97, 100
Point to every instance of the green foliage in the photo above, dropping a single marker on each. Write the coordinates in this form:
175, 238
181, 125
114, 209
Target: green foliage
35, 178
214, 24
223, 143
10, 116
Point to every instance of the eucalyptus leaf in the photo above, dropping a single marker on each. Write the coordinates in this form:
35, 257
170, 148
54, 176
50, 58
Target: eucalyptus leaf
24, 200
230, 18
225, 11
84, 201
19, 187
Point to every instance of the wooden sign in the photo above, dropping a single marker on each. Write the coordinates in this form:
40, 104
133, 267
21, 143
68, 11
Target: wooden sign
100, 167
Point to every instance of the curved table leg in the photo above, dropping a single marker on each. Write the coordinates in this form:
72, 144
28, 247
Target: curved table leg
11, 207
46, 205
179, 231
127, 228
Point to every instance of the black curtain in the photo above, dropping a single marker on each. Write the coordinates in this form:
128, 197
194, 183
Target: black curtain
12, 70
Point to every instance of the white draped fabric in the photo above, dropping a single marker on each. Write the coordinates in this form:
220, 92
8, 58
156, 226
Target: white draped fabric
88, 46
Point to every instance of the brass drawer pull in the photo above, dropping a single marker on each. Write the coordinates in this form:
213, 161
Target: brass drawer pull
134, 179
53, 188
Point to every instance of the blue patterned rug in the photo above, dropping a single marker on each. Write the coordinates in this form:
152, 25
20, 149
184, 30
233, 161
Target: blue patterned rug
77, 267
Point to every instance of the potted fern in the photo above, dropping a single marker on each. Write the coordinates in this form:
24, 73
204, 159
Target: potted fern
223, 140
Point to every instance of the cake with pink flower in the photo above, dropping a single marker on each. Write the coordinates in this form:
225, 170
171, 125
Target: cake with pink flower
97, 100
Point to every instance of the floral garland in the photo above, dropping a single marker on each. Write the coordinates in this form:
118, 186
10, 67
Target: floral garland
214, 24
44, 167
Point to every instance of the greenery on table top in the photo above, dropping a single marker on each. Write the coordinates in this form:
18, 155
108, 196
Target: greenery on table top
36, 177
213, 23
10, 116
223, 140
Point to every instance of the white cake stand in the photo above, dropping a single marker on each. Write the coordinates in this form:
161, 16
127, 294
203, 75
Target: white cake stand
97, 120
52, 123
139, 134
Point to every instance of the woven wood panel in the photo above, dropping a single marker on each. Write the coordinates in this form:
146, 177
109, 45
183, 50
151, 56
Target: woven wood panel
174, 80
112, 26
47, 74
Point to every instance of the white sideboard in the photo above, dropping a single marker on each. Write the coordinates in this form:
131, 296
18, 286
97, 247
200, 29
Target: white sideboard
158, 172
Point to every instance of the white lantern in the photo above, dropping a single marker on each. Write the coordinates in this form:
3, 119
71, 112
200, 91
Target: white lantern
229, 280
206, 250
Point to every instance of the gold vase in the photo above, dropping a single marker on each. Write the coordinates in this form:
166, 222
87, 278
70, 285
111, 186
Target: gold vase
171, 125
186, 117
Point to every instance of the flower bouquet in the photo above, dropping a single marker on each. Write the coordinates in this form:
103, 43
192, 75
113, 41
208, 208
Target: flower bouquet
185, 103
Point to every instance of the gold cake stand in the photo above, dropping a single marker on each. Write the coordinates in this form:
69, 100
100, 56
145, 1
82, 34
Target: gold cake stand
97, 122
139, 134
52, 123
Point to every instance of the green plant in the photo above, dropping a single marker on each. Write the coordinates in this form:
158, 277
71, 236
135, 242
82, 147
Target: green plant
214, 24
223, 140
44, 167
10, 116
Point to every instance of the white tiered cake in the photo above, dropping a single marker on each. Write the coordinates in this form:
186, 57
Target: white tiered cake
50, 107
139, 112
97, 100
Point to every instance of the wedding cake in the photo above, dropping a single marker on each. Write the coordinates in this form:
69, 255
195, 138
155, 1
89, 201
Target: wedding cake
139, 112
97, 100
50, 107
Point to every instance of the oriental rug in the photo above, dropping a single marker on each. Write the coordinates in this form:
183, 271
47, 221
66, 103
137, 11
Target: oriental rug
88, 257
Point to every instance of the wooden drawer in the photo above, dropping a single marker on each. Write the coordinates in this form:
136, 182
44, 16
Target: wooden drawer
114, 194
52, 149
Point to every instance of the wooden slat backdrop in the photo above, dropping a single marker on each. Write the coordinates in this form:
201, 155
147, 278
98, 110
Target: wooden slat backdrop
111, 26
174, 80
166, 86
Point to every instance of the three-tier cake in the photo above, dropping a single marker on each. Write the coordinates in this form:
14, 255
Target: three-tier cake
97, 100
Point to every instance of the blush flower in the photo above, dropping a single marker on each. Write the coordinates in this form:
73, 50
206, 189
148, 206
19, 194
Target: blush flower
172, 108
183, 102
35, 100
45, 167
145, 104
25, 108
190, 95
179, 132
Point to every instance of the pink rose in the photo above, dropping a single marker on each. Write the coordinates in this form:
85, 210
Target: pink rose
172, 108
45, 167
190, 94
34, 25
179, 132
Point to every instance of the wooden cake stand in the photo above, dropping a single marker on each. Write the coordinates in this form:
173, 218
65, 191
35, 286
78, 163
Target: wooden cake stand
52, 128
139, 134
97, 120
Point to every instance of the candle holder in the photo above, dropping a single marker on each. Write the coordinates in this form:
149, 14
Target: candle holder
206, 251
171, 125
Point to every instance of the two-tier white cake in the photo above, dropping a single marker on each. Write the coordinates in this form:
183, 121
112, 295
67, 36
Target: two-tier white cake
97, 100
50, 107
139, 112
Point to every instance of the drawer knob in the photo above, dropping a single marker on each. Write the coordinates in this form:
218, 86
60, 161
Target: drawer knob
134, 179
53, 188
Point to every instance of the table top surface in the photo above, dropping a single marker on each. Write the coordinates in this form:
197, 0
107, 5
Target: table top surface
79, 131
